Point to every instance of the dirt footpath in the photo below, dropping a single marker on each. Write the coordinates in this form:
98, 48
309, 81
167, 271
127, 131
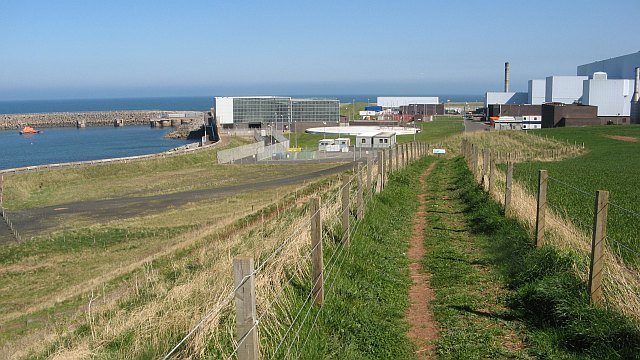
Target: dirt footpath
424, 330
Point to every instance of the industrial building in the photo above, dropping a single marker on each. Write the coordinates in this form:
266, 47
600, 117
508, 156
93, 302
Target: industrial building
276, 111
564, 89
621, 67
398, 101
422, 110
501, 98
497, 110
560, 115
611, 96
537, 91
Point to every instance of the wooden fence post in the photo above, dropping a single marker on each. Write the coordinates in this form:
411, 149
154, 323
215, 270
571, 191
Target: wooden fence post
380, 175
542, 205
492, 172
369, 175
397, 153
359, 195
485, 167
403, 156
345, 210
317, 262
597, 246
474, 162
245, 295
507, 190
390, 166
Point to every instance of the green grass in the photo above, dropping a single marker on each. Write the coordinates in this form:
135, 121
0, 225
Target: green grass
363, 314
470, 296
437, 130
352, 111
544, 292
143, 178
610, 164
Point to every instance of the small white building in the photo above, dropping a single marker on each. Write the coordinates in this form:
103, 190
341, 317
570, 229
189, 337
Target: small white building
507, 123
376, 140
526, 122
324, 143
343, 143
530, 122
334, 145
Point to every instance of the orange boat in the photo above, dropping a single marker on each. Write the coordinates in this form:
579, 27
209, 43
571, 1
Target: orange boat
29, 130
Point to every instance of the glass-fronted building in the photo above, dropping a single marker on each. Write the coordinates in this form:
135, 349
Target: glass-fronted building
257, 111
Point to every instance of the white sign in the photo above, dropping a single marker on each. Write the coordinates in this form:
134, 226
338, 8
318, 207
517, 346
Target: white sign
439, 151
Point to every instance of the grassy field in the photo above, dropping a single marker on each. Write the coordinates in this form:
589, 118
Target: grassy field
541, 289
95, 288
138, 179
609, 164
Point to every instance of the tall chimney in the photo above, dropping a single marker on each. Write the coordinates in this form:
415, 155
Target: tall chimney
506, 77
635, 100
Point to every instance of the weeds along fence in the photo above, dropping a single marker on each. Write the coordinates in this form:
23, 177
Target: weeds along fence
608, 262
5, 217
257, 317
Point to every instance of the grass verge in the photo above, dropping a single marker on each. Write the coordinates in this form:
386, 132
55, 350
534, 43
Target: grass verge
544, 292
363, 314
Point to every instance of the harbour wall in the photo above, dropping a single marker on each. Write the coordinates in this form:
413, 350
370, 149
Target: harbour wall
71, 119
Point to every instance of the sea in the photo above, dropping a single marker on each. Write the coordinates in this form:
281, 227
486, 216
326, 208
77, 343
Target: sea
58, 145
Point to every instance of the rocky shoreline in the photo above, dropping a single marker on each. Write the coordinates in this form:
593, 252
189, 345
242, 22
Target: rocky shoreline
71, 119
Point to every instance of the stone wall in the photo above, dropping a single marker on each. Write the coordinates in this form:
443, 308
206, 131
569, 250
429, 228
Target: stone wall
18, 121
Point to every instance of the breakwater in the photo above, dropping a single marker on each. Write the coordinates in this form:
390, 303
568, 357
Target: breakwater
71, 119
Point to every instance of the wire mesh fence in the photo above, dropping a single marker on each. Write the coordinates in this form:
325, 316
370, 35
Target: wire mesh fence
287, 323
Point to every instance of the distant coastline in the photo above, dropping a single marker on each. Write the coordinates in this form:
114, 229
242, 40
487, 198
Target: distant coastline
192, 103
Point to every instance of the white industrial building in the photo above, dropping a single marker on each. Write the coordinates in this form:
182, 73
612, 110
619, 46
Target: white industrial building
537, 91
259, 111
503, 98
611, 96
397, 101
564, 89
621, 67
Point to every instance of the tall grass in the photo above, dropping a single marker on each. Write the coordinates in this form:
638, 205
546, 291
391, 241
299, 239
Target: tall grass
549, 296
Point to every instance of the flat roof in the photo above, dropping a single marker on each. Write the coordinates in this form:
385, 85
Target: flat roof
386, 134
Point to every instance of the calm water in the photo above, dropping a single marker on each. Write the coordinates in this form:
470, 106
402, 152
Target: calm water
57, 145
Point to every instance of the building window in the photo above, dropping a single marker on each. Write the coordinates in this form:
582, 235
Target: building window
380, 140
364, 141
386, 141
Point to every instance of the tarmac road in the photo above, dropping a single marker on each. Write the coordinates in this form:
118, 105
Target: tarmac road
470, 126
35, 221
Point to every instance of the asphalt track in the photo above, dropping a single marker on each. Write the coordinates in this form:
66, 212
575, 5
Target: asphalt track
37, 221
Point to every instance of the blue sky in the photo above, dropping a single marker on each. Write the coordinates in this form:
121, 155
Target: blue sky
139, 48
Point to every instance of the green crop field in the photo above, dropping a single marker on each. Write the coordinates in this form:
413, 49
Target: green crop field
612, 163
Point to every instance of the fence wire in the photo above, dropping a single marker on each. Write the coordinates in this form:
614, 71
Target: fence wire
338, 255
